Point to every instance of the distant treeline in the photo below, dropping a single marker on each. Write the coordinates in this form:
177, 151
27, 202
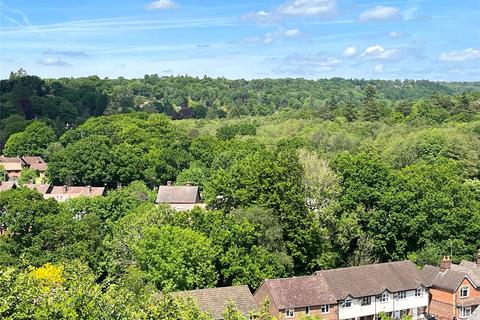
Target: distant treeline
68, 102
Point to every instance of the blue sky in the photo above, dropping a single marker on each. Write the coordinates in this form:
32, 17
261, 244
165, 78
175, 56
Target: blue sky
415, 39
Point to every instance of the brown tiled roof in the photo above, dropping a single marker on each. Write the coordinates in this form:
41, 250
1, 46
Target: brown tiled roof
35, 163
12, 163
466, 302
298, 292
447, 280
7, 185
216, 300
64, 193
41, 188
373, 279
178, 194
471, 268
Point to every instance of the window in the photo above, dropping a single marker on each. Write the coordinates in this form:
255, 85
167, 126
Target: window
289, 313
366, 301
465, 312
347, 303
419, 292
325, 308
383, 297
307, 311
402, 295
464, 292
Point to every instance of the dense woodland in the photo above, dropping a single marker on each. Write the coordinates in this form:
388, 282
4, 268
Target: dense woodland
298, 176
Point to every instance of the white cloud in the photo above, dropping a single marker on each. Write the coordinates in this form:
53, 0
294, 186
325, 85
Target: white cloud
378, 68
349, 51
378, 52
308, 7
292, 33
380, 13
307, 64
398, 34
295, 8
270, 37
54, 62
161, 5
460, 56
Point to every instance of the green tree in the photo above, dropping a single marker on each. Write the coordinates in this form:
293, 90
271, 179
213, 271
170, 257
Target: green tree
371, 108
31, 142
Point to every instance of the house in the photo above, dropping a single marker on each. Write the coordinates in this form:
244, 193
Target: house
180, 198
64, 193
216, 300
7, 185
184, 113
36, 163
13, 167
40, 188
454, 289
292, 298
360, 292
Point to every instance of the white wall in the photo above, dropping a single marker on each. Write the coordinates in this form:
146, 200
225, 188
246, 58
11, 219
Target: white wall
357, 310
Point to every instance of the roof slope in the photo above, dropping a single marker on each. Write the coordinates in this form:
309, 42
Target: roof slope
7, 185
476, 314
448, 280
298, 292
77, 191
35, 163
216, 300
178, 194
373, 279
12, 163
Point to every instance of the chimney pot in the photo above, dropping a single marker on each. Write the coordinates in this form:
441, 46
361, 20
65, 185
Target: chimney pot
169, 183
445, 264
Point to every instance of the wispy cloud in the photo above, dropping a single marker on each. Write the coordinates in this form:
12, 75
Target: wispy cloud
295, 8
378, 52
123, 24
460, 56
299, 64
381, 13
349, 51
49, 61
162, 5
271, 37
65, 53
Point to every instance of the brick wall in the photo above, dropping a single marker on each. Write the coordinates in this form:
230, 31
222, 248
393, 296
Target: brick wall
442, 304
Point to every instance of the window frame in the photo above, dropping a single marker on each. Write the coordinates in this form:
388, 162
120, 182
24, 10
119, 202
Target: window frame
463, 313
467, 290
325, 308
419, 292
366, 301
384, 297
401, 295
289, 315
344, 303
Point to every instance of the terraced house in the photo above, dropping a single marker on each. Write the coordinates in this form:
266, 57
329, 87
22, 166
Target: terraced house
454, 289
362, 292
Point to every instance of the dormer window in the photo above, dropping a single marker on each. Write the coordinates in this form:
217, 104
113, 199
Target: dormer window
383, 297
347, 303
419, 292
464, 292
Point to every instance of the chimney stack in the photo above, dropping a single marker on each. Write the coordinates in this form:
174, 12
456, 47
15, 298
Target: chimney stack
169, 183
478, 258
65, 189
445, 263
188, 184
89, 189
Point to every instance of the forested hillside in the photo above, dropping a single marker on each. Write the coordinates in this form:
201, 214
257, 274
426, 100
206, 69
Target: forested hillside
298, 176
